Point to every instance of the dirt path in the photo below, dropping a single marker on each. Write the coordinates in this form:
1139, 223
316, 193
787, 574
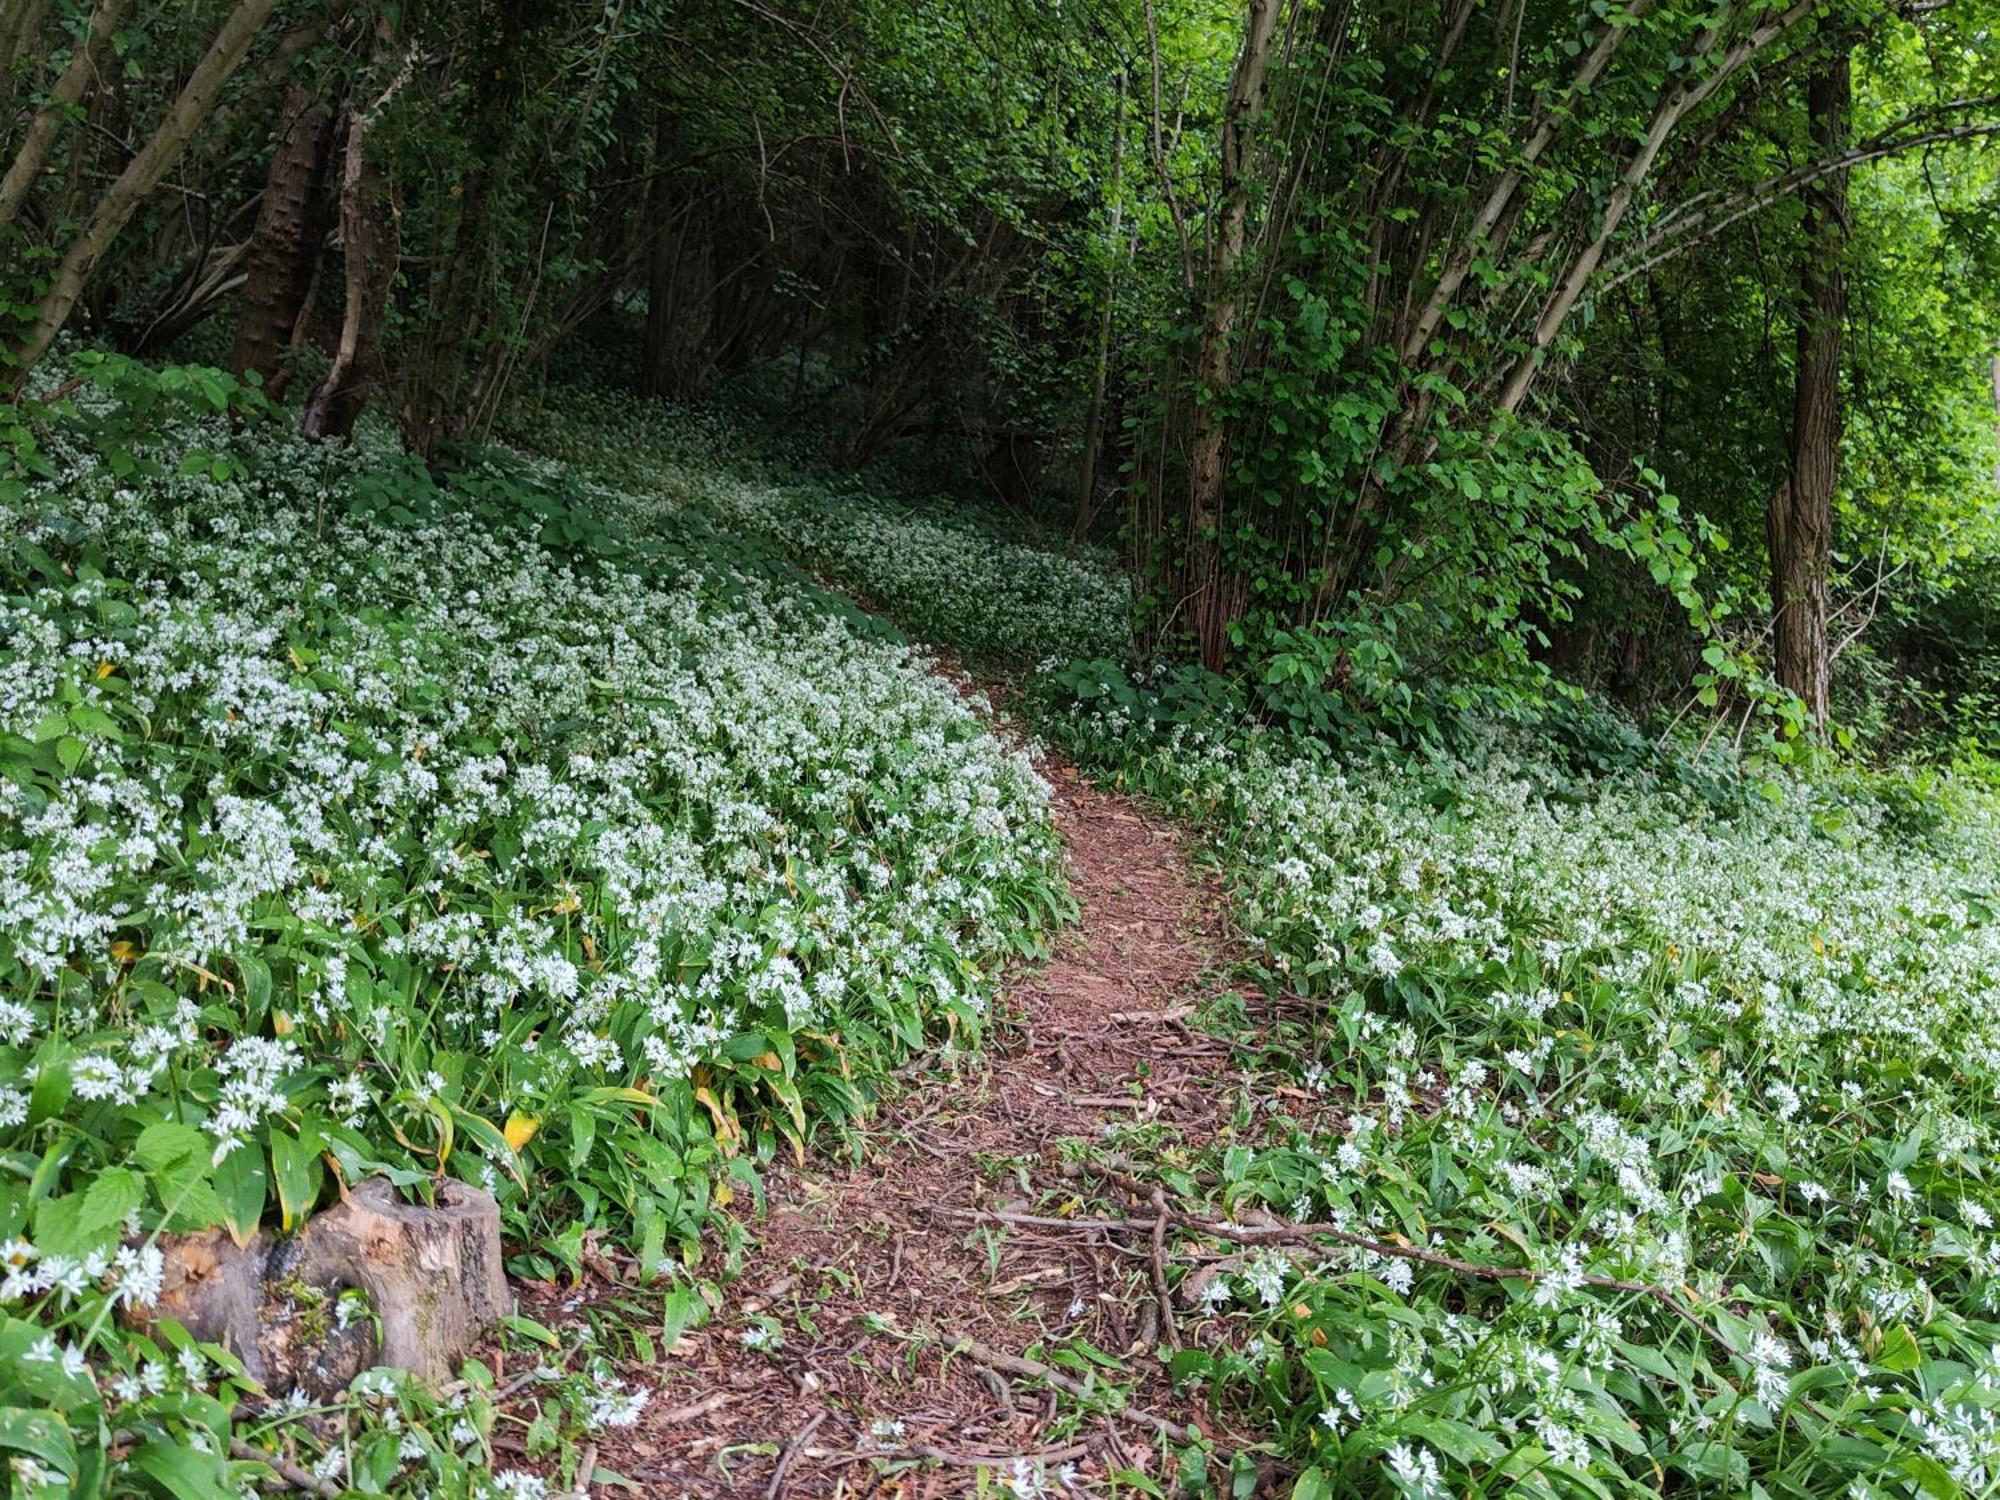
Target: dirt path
870, 1274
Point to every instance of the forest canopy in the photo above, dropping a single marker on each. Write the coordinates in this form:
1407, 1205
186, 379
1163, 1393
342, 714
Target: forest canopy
1642, 346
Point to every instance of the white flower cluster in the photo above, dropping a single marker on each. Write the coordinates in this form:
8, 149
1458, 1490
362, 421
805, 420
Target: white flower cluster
427, 787
1599, 1028
938, 570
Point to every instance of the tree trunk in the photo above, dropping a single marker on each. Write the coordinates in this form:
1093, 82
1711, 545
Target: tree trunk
40, 140
1209, 612
1799, 524
1993, 370
431, 1277
368, 251
1093, 425
455, 333
141, 175
20, 29
1480, 237
680, 304
1676, 106
284, 246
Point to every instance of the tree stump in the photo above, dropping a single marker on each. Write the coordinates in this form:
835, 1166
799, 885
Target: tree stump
373, 1281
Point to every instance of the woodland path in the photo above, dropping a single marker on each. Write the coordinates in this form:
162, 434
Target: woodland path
874, 1270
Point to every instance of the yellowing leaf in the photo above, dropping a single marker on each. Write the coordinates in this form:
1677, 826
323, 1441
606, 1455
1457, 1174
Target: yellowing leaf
520, 1130
727, 1134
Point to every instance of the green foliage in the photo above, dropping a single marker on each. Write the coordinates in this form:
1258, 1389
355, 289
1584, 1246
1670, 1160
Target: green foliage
992, 591
1611, 1019
360, 821
115, 407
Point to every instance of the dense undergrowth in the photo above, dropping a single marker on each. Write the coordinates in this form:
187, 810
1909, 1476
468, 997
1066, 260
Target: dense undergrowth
1000, 594
1603, 1024
349, 824
551, 829
1586, 1005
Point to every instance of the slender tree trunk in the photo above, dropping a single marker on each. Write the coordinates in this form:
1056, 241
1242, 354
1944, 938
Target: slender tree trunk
1666, 119
285, 245
48, 122
1480, 237
1093, 426
368, 250
1209, 607
433, 393
20, 29
141, 175
1799, 524
680, 282
1993, 371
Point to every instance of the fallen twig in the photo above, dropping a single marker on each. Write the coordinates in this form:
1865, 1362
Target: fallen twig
586, 1462
284, 1468
1158, 1267
1178, 1013
1030, 1221
1014, 1364
791, 1452
1266, 1234
996, 1461
713, 1401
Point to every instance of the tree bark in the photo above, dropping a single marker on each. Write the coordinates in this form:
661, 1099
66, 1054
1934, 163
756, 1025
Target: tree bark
1209, 608
680, 283
291, 224
1666, 119
1993, 370
48, 122
368, 243
455, 333
1479, 238
20, 27
432, 1277
1093, 425
141, 175
1799, 524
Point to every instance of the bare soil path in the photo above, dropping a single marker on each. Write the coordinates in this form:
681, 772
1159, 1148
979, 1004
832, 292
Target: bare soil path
874, 1344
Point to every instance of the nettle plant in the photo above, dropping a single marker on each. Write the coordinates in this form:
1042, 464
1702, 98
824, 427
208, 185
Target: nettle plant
353, 828
1604, 1027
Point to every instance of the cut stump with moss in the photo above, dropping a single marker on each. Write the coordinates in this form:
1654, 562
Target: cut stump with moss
373, 1281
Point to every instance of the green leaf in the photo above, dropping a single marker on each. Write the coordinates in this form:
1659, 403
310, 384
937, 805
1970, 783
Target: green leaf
44, 1383
166, 1143
114, 1194
40, 1434
1900, 1351
490, 1140
243, 1183
182, 1472
296, 1169
256, 982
